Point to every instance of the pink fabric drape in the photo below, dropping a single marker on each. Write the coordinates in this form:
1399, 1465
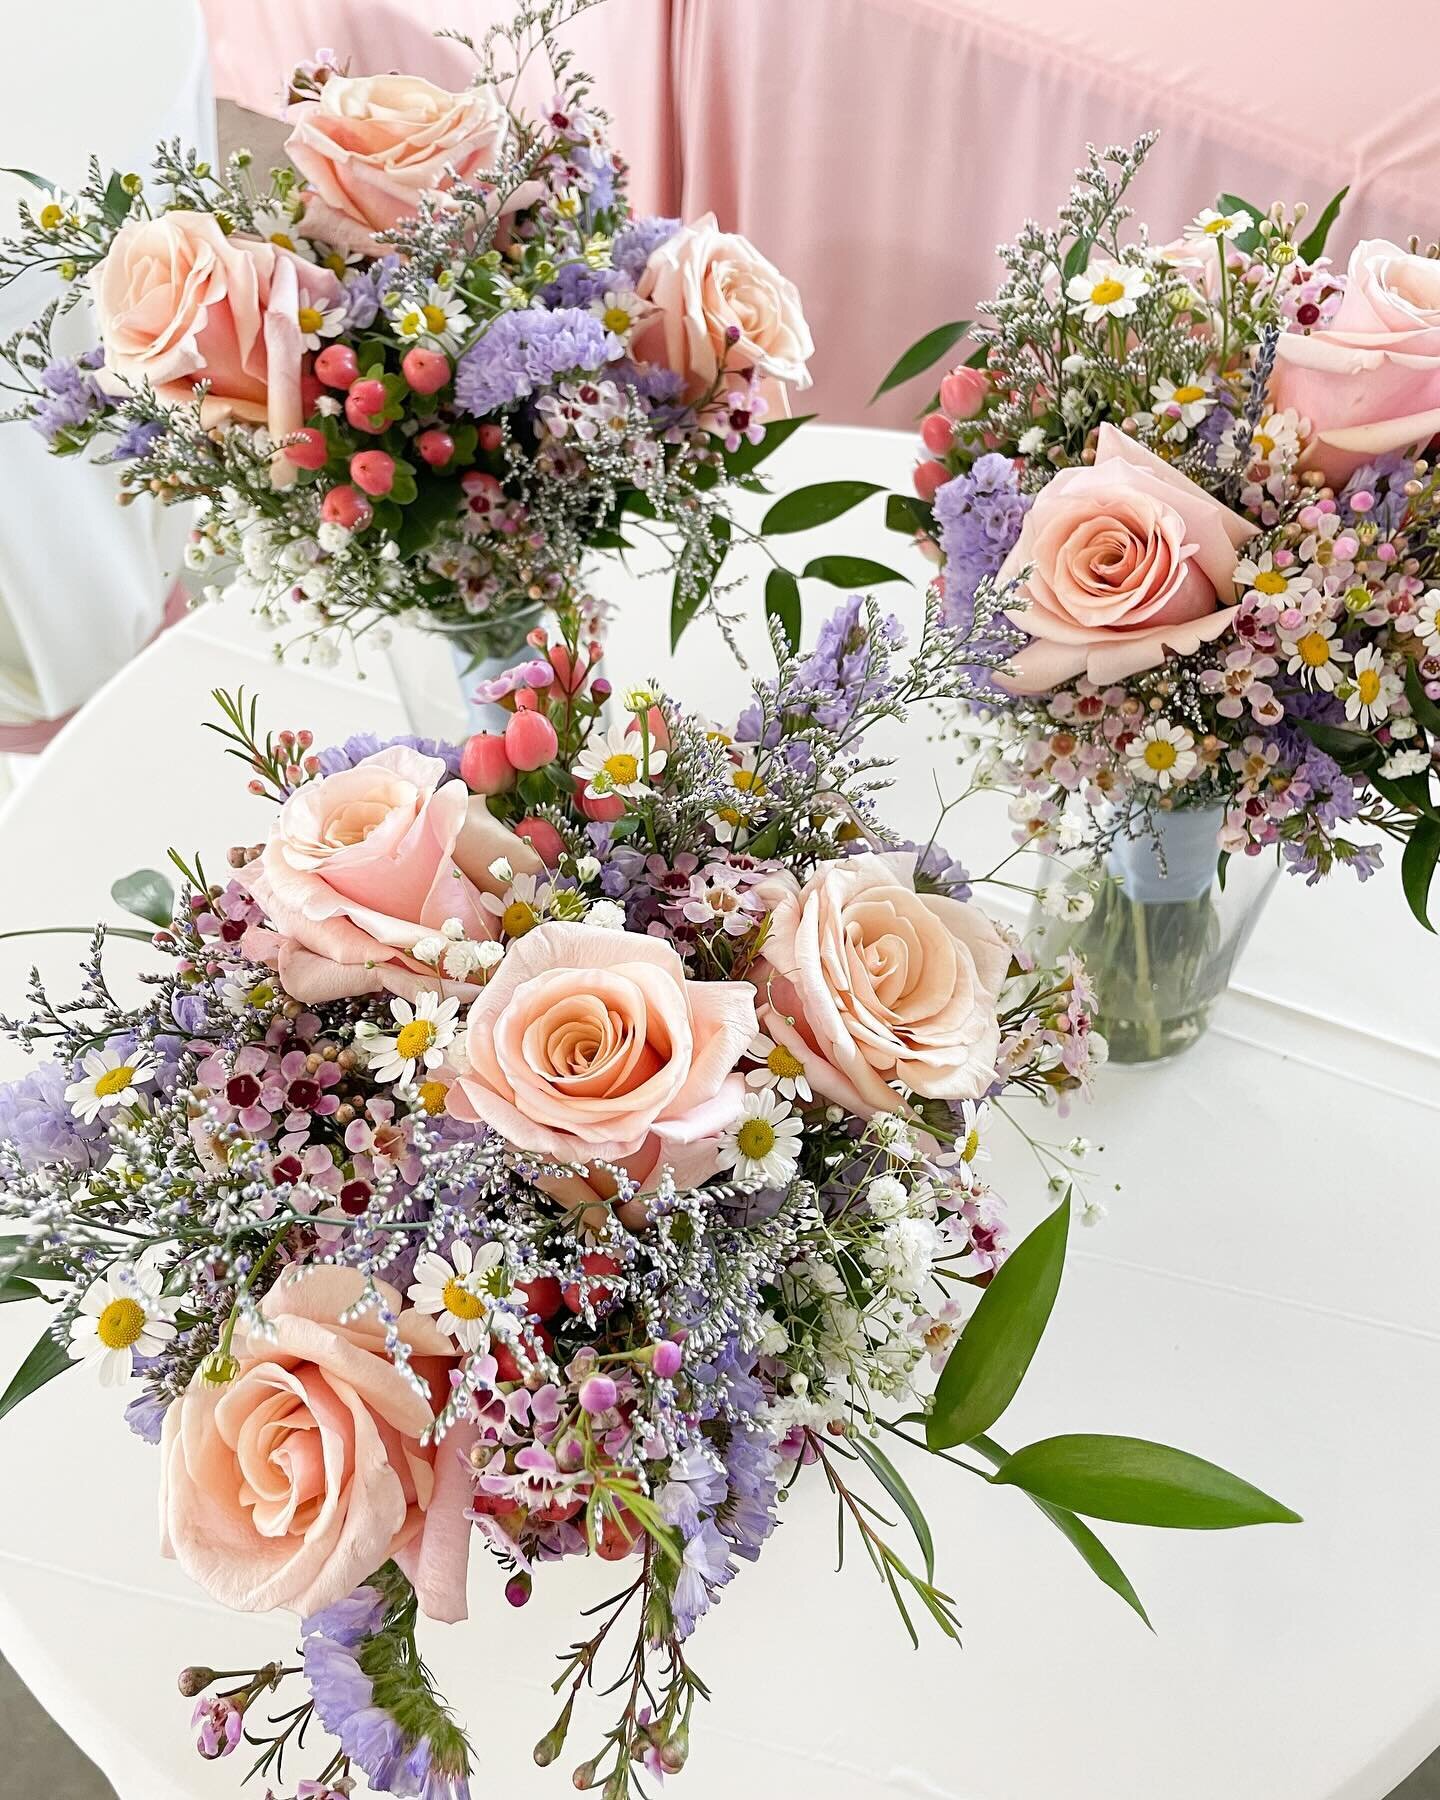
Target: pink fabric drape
878, 150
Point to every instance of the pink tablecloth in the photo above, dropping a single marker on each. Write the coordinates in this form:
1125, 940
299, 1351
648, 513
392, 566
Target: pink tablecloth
879, 149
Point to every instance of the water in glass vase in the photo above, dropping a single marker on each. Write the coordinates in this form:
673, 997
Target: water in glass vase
1165, 932
438, 662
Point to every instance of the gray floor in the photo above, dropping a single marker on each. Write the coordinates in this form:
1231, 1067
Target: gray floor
39, 1758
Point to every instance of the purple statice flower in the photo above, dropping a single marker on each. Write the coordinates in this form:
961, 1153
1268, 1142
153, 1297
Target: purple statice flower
190, 1012
936, 871
349, 1621
1211, 431
138, 439
752, 1469
73, 395
146, 1416
979, 515
36, 1118
1382, 485
365, 743
704, 1570
577, 284
845, 673
696, 1483
338, 1685
639, 241
662, 389
363, 291
525, 350
597, 171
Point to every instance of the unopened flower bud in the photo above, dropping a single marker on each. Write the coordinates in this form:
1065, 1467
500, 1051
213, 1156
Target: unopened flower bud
219, 1369
194, 1680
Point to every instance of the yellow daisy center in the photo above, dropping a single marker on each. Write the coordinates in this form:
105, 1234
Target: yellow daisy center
1214, 227
411, 324
460, 1303
1264, 444
756, 1138
432, 1096
783, 1064
1313, 649
436, 317
518, 918
335, 263
969, 1147
1270, 581
310, 318
616, 319
622, 768
1107, 292
1160, 753
51, 216
120, 1324
1367, 685
747, 781
285, 241
415, 1038
114, 1081
1184, 395
728, 816
260, 995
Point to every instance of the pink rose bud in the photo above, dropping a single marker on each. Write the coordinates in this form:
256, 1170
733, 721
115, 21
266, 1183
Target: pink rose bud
435, 447
598, 1394
484, 765
928, 477
346, 506
543, 838
427, 371
530, 740
337, 367
373, 470
309, 451
491, 437
937, 433
666, 1360
962, 393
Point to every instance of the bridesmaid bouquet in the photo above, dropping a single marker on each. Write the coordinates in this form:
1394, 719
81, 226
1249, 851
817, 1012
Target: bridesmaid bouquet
559, 1144
424, 370
1185, 518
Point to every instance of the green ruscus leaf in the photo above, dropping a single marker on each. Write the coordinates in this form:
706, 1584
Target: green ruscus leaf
851, 571
815, 505
922, 355
47, 1360
1136, 1482
1417, 868
782, 602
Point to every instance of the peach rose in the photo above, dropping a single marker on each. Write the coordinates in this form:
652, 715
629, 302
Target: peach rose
1129, 560
874, 983
1369, 381
294, 1482
592, 1044
179, 303
361, 865
371, 145
705, 284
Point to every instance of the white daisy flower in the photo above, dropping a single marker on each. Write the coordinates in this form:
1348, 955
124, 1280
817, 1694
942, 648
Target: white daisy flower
970, 1141
726, 821
1183, 407
1276, 438
1370, 691
441, 319
241, 997
521, 907
764, 1142
461, 1292
1260, 575
620, 310
319, 322
279, 226
109, 1079
1163, 754
614, 763
1315, 656
123, 1315
780, 1069
1212, 224
1108, 290
425, 1031
1427, 622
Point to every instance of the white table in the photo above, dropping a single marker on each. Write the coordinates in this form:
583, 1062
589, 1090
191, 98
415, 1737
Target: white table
1263, 1292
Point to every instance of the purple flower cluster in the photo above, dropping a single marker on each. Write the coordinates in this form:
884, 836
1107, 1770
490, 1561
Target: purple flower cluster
936, 871
365, 743
979, 515
36, 1118
137, 439
639, 241
845, 673
522, 351
578, 284
74, 396
364, 289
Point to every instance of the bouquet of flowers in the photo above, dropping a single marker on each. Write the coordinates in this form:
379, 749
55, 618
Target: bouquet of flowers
425, 370
1184, 516
560, 1144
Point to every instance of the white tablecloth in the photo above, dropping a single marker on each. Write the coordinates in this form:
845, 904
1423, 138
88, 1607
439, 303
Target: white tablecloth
83, 582
1263, 1292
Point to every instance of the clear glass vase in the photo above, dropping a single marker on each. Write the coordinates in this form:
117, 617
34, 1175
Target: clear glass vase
438, 662
1164, 935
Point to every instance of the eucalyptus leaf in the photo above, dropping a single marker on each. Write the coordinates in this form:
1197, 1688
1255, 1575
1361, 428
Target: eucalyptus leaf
851, 571
922, 355
1136, 1482
1314, 244
986, 1367
782, 602
147, 894
896, 1487
807, 507
47, 1360
1417, 868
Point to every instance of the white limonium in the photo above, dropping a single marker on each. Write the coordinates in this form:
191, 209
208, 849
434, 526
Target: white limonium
425, 1030
123, 1315
109, 1080
764, 1142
